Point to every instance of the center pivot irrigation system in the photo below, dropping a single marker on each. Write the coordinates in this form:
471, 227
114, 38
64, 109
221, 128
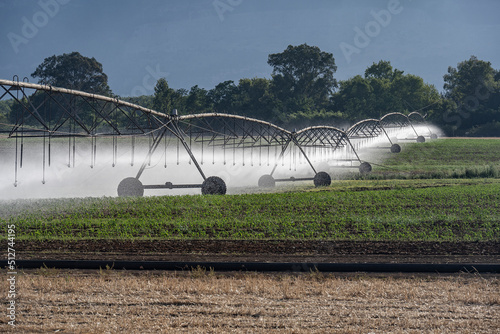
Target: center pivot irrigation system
54, 114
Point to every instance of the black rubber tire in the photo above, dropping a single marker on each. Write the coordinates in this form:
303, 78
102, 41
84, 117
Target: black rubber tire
266, 181
434, 136
322, 179
365, 168
130, 187
420, 139
395, 148
213, 185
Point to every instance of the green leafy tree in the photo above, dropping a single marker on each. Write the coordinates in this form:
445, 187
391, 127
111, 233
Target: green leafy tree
355, 97
469, 78
162, 100
382, 70
167, 99
222, 96
384, 89
179, 99
253, 98
73, 71
5, 108
302, 77
198, 101
473, 91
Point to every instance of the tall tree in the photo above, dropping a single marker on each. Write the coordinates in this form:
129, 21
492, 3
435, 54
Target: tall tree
254, 99
162, 100
197, 101
383, 89
473, 89
355, 98
470, 77
73, 71
222, 96
382, 70
301, 75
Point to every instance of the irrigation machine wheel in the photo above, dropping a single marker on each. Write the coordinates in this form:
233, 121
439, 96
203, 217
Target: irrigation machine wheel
213, 185
322, 179
420, 139
266, 181
434, 136
395, 148
130, 187
365, 168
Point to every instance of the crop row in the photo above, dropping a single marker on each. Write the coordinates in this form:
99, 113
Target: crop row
375, 210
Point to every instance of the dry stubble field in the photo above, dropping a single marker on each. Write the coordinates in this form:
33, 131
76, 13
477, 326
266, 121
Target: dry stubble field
201, 301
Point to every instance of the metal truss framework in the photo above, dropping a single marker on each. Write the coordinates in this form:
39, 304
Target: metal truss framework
44, 110
418, 119
48, 112
371, 128
367, 128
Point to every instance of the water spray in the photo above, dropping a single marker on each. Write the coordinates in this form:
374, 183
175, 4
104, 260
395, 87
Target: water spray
212, 143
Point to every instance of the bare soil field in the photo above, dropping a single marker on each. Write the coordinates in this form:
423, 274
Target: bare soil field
198, 301
263, 251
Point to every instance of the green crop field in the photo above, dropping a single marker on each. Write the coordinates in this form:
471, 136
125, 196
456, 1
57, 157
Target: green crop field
446, 158
354, 210
460, 209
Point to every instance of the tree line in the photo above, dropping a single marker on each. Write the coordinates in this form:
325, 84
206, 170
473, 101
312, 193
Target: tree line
303, 91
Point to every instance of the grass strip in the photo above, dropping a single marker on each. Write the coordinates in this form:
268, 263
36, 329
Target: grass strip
354, 210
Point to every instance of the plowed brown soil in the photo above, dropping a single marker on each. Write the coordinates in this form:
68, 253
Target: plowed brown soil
264, 251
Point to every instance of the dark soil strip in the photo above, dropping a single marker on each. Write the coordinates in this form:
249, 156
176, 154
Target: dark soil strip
263, 246
262, 266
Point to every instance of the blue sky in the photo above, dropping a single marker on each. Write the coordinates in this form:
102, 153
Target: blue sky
205, 42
